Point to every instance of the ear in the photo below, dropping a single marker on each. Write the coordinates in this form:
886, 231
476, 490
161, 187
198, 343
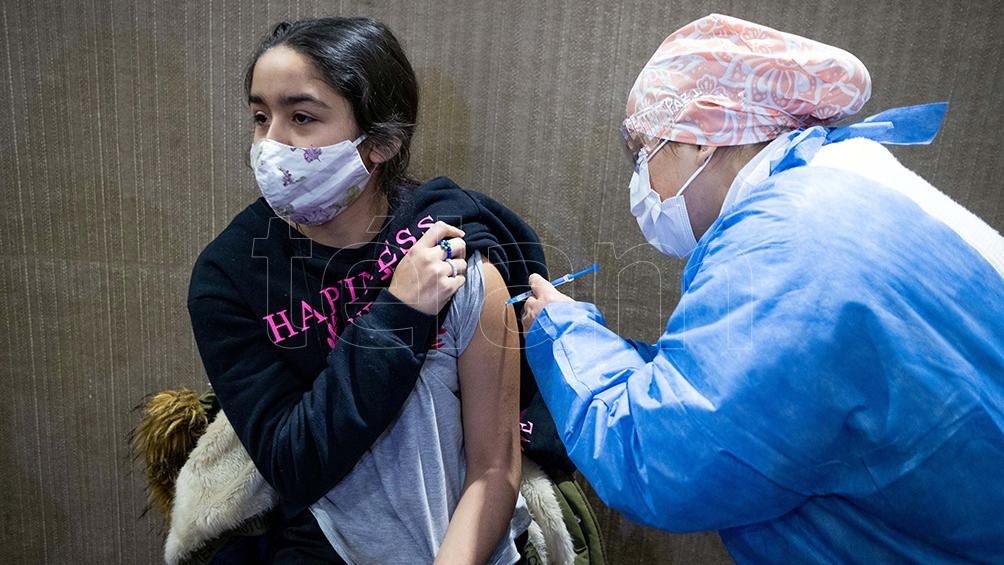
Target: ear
381, 153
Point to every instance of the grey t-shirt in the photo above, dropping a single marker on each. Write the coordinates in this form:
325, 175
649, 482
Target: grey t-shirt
395, 506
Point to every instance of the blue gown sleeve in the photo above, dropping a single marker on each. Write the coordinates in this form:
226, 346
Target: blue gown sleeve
720, 426
625, 421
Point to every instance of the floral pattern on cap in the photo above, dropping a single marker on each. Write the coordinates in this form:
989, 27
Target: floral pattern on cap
723, 81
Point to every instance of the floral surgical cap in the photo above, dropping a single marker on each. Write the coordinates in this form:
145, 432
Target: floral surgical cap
723, 81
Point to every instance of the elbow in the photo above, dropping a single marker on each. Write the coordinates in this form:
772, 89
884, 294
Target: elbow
292, 491
674, 503
296, 488
498, 464
289, 485
648, 505
501, 473
293, 471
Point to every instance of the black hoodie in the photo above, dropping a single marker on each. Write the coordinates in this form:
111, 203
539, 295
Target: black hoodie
310, 356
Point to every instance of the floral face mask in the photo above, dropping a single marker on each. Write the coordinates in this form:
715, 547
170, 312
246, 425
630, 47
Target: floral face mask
309, 185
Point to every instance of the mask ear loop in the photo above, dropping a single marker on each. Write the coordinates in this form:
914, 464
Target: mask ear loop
647, 156
356, 143
697, 172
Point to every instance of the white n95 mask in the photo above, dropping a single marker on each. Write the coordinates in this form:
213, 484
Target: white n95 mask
664, 223
309, 185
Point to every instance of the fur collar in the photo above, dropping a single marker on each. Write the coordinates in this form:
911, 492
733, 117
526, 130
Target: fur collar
218, 490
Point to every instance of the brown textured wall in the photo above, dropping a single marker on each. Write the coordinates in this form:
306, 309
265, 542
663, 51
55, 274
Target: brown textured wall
122, 155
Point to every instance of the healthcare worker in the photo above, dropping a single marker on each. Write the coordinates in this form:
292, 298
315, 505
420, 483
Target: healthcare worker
830, 387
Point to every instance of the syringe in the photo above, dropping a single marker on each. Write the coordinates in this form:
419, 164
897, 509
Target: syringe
556, 282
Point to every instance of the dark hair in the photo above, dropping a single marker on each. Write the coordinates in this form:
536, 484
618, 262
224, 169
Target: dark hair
362, 60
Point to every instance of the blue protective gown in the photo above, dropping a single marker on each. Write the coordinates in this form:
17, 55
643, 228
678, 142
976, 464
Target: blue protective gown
830, 387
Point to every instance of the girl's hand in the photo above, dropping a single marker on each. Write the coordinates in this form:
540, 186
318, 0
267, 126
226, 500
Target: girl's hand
425, 279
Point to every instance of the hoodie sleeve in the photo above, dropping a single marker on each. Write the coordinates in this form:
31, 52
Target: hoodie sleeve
305, 441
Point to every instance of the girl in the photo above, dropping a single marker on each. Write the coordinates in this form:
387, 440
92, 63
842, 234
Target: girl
383, 412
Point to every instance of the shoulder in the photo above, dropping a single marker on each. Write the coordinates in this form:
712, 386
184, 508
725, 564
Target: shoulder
856, 174
443, 200
810, 201
254, 221
444, 191
814, 222
253, 231
440, 198
490, 226
799, 216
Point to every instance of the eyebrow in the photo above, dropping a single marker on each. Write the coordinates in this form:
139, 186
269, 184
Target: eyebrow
290, 100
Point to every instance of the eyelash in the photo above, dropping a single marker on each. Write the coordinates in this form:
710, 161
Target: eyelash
259, 119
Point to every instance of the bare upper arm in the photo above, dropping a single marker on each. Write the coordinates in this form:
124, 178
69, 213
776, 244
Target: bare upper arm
489, 380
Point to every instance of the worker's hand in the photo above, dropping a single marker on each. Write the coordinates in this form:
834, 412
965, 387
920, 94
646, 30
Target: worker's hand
425, 279
543, 294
